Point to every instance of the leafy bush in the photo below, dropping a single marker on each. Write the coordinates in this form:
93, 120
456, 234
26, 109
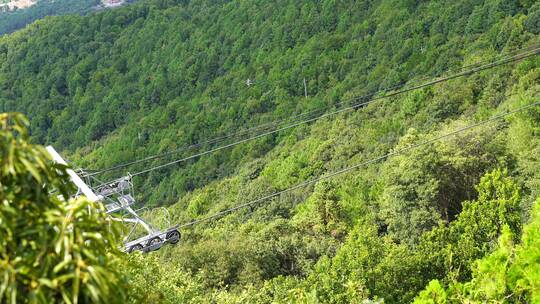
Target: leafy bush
510, 274
52, 249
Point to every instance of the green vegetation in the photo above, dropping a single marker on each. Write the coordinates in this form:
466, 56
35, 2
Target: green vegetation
510, 274
452, 221
51, 249
12, 21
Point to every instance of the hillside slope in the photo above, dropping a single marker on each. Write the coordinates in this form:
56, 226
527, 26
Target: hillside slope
159, 75
30, 11
7, 6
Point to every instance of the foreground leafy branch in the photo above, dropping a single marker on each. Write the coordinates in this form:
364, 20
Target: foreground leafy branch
52, 249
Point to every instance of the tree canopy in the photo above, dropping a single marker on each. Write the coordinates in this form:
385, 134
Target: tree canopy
432, 224
52, 249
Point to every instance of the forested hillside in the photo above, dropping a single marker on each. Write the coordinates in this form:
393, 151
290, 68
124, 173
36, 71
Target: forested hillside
12, 21
432, 223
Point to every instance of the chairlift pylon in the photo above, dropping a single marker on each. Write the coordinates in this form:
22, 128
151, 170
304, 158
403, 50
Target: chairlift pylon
118, 198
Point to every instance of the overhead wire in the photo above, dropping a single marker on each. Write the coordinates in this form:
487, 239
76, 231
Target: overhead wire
348, 108
264, 126
362, 164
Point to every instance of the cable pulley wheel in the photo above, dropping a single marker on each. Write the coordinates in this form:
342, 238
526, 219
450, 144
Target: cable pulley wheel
135, 248
173, 237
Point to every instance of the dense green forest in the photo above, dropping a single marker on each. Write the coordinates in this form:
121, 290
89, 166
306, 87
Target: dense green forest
12, 21
454, 221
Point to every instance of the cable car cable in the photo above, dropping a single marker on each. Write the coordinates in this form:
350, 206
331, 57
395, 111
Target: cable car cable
362, 164
349, 108
272, 124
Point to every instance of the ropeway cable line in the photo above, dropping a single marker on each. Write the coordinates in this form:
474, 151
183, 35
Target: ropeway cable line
118, 195
345, 109
362, 164
530, 51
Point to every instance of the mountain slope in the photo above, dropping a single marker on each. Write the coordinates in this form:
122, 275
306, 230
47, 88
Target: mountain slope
13, 20
124, 84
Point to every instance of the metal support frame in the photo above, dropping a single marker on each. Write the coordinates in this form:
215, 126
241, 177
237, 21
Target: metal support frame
117, 197
81, 185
